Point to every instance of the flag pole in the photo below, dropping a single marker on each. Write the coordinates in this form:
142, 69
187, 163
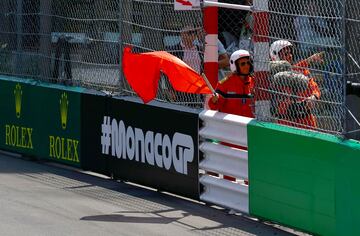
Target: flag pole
208, 83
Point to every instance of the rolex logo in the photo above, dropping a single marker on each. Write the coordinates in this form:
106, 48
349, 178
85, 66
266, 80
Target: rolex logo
64, 104
18, 96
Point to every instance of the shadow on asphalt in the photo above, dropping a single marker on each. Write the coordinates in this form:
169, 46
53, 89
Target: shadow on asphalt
142, 205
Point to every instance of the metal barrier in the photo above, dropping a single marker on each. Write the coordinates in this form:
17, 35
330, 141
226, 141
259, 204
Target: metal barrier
224, 160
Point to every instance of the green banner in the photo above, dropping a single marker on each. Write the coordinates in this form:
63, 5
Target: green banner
40, 120
18, 123
304, 179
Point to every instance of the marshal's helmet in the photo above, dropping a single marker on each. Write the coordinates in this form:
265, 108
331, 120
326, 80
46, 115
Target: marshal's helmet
236, 56
276, 47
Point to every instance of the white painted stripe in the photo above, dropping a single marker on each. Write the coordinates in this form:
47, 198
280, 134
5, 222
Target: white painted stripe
225, 193
261, 56
225, 127
211, 48
261, 5
210, 3
227, 118
225, 160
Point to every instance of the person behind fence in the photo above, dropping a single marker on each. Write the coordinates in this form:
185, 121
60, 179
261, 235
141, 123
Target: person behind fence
288, 104
234, 92
283, 50
298, 89
189, 50
239, 31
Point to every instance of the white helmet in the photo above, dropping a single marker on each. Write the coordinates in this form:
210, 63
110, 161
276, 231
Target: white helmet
236, 56
276, 47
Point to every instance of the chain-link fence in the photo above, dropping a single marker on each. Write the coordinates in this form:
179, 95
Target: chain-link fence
310, 65
80, 43
154, 25
235, 27
352, 36
70, 42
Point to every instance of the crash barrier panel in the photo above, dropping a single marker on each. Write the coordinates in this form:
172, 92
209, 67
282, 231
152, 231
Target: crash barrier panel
40, 120
122, 138
299, 178
304, 179
222, 159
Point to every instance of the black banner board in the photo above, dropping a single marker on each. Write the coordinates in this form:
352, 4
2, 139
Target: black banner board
93, 107
150, 144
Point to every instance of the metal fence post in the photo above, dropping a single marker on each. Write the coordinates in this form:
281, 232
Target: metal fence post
153, 38
120, 25
45, 38
19, 33
344, 64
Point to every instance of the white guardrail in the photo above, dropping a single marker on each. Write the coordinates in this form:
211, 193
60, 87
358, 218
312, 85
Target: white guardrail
223, 159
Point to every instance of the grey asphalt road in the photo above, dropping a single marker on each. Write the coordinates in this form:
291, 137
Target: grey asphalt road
39, 198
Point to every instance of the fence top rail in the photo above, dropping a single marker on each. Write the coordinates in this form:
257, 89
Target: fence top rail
227, 5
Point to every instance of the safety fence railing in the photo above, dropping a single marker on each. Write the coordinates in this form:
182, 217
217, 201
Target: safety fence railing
44, 39
224, 167
80, 43
352, 31
307, 31
321, 37
155, 25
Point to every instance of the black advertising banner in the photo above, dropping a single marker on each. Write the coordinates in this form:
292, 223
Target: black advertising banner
151, 144
94, 106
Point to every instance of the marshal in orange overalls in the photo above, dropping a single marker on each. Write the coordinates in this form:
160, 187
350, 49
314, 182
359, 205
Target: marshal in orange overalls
235, 95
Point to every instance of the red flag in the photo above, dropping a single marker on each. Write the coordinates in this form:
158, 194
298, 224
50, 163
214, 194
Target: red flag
142, 71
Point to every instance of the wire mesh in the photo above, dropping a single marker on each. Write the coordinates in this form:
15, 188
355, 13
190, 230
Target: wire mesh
60, 41
80, 42
352, 35
310, 91
154, 25
235, 27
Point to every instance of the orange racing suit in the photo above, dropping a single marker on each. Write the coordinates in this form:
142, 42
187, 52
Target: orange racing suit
301, 114
235, 95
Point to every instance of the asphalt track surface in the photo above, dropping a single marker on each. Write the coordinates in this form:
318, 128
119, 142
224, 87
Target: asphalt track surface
39, 198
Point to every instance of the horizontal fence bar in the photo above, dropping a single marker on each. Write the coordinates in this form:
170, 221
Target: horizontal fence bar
227, 5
